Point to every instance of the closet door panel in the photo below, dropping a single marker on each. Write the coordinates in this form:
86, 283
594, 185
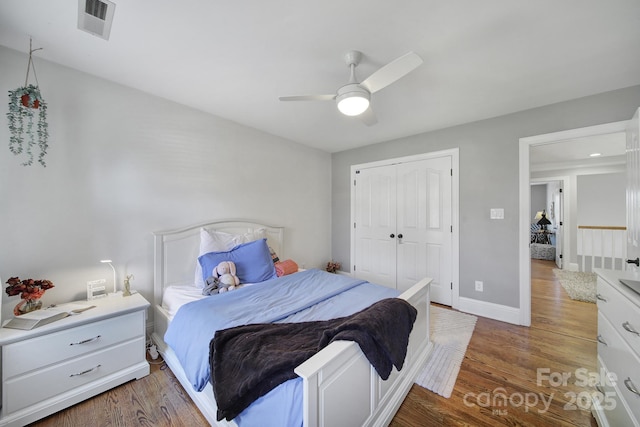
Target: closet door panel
375, 223
409, 255
424, 222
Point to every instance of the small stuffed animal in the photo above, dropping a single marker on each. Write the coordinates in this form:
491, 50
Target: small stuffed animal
211, 286
225, 272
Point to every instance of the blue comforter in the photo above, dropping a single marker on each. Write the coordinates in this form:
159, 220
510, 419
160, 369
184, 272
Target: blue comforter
304, 296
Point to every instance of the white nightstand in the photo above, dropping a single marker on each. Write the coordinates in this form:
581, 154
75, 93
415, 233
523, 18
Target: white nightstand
65, 362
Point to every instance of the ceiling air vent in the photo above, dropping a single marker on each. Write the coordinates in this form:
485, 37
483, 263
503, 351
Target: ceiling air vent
96, 16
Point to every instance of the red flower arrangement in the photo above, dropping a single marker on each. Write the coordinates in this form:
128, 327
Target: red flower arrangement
333, 266
28, 289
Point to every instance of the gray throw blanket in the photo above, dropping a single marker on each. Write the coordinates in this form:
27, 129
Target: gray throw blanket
249, 361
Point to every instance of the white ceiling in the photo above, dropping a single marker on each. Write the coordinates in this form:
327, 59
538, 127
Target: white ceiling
234, 58
577, 153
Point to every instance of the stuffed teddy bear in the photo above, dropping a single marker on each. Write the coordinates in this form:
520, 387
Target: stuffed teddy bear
225, 272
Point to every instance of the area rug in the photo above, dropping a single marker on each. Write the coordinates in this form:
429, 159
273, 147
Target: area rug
580, 286
450, 333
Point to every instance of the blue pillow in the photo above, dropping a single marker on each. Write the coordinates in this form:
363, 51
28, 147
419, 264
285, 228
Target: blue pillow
253, 262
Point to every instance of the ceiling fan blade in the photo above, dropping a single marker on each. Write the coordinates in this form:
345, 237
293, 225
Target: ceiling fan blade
308, 98
368, 117
391, 72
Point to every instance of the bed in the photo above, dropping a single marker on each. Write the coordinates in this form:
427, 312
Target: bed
338, 385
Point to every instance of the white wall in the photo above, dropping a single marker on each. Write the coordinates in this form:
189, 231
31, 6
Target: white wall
123, 164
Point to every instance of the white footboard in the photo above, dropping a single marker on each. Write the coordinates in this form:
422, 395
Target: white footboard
341, 388
336, 379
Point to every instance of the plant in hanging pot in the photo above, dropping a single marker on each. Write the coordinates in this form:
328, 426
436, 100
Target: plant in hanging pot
31, 96
21, 123
24, 103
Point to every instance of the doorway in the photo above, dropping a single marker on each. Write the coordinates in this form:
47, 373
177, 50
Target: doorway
547, 199
525, 145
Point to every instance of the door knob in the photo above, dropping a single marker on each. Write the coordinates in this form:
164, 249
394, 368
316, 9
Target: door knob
399, 236
392, 235
634, 261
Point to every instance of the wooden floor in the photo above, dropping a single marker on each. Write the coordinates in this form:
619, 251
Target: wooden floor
498, 382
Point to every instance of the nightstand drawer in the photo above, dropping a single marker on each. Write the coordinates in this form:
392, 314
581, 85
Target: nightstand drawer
37, 386
25, 356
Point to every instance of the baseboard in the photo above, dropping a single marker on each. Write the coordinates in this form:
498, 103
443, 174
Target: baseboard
490, 310
149, 330
572, 266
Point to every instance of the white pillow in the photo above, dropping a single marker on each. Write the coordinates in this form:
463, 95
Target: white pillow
218, 241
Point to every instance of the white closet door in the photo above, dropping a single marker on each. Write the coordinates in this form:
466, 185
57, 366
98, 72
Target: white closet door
424, 226
403, 219
375, 208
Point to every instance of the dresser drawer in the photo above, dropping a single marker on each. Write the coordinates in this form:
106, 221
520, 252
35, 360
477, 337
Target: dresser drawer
620, 360
28, 355
38, 386
612, 407
624, 315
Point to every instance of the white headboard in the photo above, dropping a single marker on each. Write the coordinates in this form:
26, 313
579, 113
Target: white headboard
176, 251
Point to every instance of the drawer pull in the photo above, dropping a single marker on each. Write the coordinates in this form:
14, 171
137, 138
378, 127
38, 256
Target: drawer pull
601, 298
601, 340
630, 328
632, 388
85, 341
85, 372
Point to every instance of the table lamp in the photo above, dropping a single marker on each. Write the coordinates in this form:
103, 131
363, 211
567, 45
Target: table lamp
108, 261
543, 221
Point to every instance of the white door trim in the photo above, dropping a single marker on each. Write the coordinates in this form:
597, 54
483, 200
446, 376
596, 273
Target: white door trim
455, 208
525, 200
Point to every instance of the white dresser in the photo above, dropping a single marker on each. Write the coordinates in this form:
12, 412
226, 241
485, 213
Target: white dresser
618, 350
65, 362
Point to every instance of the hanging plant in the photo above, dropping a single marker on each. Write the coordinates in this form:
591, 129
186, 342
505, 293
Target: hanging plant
24, 102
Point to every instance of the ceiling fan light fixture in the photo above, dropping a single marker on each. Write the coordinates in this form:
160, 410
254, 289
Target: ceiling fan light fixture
352, 100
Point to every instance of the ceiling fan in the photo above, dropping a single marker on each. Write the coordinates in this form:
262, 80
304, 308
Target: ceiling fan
353, 98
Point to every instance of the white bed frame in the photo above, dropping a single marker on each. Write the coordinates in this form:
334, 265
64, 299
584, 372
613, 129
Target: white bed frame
341, 388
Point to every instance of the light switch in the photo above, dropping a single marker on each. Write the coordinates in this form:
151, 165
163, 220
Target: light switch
497, 213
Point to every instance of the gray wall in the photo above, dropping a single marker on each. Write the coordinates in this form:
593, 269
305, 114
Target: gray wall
123, 164
488, 179
538, 200
602, 200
